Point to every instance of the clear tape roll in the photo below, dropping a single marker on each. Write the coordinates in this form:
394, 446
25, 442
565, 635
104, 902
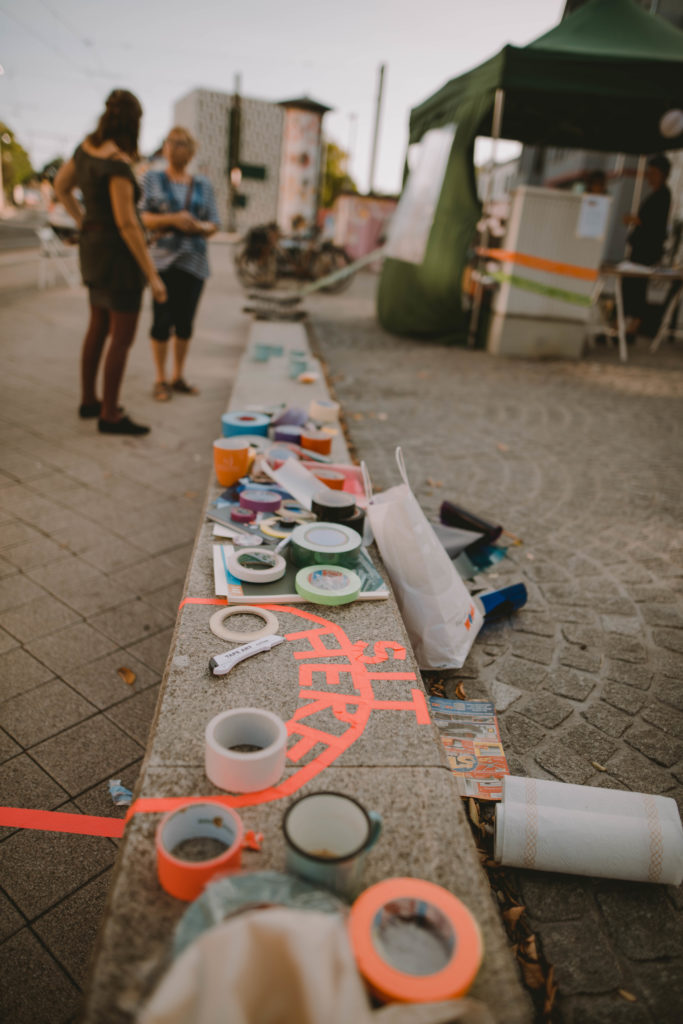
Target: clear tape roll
241, 771
256, 565
237, 636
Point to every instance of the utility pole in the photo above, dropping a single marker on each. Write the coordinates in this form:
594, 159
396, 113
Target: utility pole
234, 172
375, 136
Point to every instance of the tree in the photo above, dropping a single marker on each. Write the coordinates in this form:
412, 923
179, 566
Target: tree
16, 165
336, 178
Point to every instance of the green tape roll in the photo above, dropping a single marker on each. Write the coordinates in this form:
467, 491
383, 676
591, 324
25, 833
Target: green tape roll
327, 584
324, 544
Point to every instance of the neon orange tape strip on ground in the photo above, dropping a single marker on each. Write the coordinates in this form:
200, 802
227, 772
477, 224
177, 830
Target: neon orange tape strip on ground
539, 263
85, 824
60, 821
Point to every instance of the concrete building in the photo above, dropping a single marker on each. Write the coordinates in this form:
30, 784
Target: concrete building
273, 148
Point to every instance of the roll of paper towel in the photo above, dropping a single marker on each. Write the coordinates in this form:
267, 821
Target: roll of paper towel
585, 830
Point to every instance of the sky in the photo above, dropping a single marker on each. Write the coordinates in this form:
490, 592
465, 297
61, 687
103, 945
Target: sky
62, 57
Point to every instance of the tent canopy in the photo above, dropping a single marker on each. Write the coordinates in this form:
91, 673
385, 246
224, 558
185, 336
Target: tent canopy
600, 80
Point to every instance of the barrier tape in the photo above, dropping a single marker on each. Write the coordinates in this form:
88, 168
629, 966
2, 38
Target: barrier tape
291, 298
542, 289
540, 263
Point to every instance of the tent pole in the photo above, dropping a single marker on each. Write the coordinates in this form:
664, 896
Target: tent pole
638, 188
478, 289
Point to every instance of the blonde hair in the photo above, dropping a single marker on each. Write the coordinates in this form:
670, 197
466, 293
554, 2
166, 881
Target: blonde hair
189, 138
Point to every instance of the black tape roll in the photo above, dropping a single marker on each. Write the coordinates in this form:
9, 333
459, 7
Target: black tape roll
333, 506
455, 515
357, 521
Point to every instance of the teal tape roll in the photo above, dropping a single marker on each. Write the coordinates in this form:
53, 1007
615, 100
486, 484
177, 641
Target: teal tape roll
327, 584
324, 544
245, 423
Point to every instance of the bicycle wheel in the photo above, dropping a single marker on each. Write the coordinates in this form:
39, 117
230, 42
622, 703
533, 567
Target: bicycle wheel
328, 261
256, 273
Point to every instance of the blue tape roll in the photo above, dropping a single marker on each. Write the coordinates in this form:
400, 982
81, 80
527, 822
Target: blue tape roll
245, 423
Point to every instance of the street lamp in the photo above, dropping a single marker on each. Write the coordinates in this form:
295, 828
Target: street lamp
6, 138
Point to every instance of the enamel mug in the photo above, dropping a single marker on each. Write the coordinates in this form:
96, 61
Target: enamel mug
327, 836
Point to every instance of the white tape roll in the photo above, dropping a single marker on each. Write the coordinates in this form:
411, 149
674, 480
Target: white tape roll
256, 565
323, 411
245, 771
238, 636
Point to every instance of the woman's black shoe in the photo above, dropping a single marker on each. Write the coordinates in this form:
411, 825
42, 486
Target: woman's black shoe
89, 410
122, 426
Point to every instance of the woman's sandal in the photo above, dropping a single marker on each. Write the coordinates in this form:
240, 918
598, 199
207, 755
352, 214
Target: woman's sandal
183, 387
162, 391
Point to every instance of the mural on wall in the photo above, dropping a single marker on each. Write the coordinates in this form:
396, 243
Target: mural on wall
299, 168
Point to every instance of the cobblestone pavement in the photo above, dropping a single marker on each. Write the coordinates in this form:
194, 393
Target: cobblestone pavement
95, 538
583, 462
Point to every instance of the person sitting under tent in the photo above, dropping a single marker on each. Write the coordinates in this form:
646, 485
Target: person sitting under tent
647, 238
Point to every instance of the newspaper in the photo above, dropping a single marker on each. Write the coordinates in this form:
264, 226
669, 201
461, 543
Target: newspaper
470, 735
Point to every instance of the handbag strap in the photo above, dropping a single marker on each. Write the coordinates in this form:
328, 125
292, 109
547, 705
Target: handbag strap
367, 482
166, 185
401, 463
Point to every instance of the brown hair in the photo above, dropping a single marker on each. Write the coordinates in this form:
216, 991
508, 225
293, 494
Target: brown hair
120, 122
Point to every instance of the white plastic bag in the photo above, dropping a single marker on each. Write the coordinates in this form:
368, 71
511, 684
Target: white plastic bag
440, 615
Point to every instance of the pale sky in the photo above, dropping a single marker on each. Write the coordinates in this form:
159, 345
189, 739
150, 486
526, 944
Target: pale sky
62, 57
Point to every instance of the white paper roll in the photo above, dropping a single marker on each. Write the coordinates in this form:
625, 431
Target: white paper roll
585, 830
245, 771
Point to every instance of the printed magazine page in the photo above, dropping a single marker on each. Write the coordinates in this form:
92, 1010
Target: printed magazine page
469, 732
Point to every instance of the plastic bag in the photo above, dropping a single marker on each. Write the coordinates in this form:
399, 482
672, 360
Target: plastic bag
440, 615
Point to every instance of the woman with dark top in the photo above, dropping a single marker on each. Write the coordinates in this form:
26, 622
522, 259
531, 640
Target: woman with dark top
113, 253
647, 238
180, 209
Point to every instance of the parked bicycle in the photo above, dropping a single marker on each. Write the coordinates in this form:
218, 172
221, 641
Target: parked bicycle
264, 256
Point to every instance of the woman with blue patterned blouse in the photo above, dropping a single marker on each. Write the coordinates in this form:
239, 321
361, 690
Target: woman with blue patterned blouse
180, 211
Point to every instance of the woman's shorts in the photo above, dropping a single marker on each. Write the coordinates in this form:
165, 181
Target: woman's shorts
128, 301
178, 313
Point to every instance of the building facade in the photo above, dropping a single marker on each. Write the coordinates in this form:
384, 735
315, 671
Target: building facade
276, 148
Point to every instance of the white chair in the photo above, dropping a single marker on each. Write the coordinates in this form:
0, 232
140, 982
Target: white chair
56, 258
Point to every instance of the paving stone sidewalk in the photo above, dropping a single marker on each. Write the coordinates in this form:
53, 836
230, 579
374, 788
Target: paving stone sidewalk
96, 535
583, 461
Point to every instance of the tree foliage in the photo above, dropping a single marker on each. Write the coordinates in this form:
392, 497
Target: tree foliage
16, 165
336, 178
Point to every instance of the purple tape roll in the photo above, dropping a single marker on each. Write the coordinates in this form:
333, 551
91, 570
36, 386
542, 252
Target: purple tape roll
242, 515
260, 500
288, 432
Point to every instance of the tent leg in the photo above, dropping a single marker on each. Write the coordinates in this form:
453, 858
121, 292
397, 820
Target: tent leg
638, 188
478, 289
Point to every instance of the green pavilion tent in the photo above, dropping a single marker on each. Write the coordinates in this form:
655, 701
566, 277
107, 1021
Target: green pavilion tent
600, 80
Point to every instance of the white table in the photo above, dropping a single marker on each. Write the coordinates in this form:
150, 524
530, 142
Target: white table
618, 272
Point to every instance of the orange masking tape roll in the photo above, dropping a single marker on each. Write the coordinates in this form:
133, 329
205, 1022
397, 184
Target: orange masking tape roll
414, 942
330, 477
209, 824
316, 441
